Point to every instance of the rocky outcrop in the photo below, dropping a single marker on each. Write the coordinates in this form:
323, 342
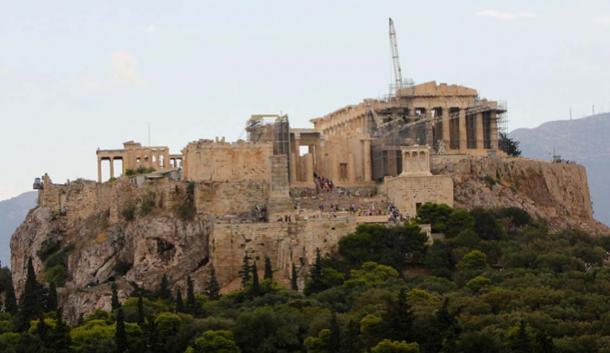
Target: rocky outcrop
87, 234
555, 192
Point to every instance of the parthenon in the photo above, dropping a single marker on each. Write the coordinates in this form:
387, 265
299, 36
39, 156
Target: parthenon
369, 144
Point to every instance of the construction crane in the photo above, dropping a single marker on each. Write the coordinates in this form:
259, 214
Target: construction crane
395, 60
398, 80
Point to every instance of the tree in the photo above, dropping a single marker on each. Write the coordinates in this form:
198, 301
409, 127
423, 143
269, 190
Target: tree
52, 298
268, 269
474, 260
315, 283
245, 271
446, 329
398, 318
120, 336
388, 346
10, 302
509, 145
141, 318
544, 343
60, 337
212, 287
350, 340
179, 302
256, 287
334, 339
43, 330
31, 301
458, 221
191, 301
220, 341
521, 341
115, 303
294, 278
164, 291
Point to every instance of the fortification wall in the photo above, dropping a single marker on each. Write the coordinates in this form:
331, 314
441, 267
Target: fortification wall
406, 192
283, 243
218, 161
220, 199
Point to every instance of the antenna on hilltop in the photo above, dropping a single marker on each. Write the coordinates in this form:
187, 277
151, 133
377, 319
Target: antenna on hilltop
149, 135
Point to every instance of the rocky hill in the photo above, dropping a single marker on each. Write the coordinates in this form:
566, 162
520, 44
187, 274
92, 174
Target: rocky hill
84, 234
12, 213
582, 140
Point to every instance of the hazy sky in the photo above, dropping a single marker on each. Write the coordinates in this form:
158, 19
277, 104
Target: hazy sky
77, 75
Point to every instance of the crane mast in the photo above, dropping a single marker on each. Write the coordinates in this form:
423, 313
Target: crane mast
395, 61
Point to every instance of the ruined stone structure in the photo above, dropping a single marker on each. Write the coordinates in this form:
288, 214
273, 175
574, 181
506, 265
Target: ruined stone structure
133, 156
284, 193
416, 185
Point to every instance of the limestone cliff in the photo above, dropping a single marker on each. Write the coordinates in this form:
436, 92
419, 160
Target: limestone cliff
555, 192
135, 232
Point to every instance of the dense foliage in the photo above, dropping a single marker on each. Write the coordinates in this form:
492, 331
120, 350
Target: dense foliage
498, 282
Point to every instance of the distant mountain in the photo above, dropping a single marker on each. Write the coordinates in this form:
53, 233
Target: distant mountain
585, 141
12, 213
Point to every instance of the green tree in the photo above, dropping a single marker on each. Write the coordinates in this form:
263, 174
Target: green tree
294, 285
164, 292
474, 260
115, 303
245, 271
212, 287
521, 341
388, 346
334, 339
120, 336
10, 302
268, 269
256, 287
191, 301
398, 318
350, 340
219, 341
179, 302
458, 221
509, 145
52, 298
31, 300
60, 337
434, 214
315, 283
141, 318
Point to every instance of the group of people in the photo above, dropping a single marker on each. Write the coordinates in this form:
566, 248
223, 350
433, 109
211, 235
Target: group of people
323, 183
394, 215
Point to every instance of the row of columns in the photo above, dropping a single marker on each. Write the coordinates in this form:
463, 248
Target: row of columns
479, 130
111, 159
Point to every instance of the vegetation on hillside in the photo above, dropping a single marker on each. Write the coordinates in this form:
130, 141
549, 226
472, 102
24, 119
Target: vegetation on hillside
499, 282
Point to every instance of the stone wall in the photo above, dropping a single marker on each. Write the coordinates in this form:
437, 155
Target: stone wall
283, 243
406, 192
221, 199
206, 160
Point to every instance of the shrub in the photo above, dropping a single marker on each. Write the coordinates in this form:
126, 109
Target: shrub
147, 203
48, 247
474, 260
129, 211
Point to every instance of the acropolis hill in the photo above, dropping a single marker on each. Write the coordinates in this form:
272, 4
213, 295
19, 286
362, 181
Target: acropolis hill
284, 193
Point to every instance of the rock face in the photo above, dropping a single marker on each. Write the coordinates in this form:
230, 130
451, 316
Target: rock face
87, 234
12, 213
582, 140
555, 192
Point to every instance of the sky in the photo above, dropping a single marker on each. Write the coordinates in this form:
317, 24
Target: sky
78, 75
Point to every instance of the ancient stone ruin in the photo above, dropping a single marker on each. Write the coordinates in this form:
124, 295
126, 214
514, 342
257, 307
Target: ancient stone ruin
284, 193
